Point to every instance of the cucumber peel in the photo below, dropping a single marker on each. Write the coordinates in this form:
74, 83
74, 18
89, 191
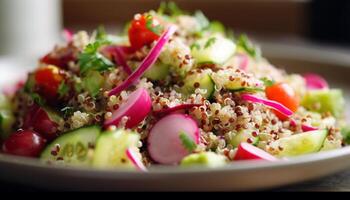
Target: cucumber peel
203, 80
208, 159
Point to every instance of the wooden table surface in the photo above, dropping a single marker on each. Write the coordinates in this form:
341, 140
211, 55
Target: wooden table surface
337, 182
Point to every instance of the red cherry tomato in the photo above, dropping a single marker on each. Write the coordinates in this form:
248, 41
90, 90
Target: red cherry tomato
284, 94
48, 80
24, 143
143, 31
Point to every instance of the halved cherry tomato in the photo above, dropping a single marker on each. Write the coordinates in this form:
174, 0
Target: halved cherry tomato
48, 80
284, 94
144, 29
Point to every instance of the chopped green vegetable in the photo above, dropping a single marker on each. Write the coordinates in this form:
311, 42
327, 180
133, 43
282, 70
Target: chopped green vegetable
267, 82
210, 42
150, 26
63, 89
216, 27
195, 46
91, 59
169, 8
187, 142
101, 33
208, 159
244, 43
93, 82
37, 99
67, 111
345, 131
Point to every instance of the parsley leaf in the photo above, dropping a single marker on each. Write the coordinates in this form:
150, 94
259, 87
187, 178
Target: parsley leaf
37, 99
63, 89
169, 8
187, 142
267, 82
150, 26
67, 111
100, 33
210, 42
195, 46
250, 48
91, 59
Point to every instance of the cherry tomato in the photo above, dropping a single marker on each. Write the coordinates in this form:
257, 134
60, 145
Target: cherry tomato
48, 80
144, 29
24, 143
284, 94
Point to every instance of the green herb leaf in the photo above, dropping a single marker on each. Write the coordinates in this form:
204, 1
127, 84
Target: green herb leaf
345, 131
37, 99
187, 142
63, 89
248, 89
250, 48
195, 46
169, 8
217, 27
149, 25
267, 82
91, 59
101, 33
210, 42
67, 111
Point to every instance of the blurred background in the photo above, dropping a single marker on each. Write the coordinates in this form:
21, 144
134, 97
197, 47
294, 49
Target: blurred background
313, 29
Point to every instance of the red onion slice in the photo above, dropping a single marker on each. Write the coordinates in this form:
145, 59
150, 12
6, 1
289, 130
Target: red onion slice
167, 111
247, 151
135, 160
315, 82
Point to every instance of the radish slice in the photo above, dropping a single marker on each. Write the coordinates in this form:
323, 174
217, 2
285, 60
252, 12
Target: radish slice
147, 62
68, 35
243, 61
164, 144
305, 128
135, 160
166, 111
315, 82
272, 104
136, 108
247, 151
118, 53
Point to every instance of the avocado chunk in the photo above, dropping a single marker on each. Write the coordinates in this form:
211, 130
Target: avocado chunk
208, 159
323, 101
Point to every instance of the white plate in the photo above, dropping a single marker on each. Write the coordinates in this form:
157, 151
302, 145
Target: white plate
236, 176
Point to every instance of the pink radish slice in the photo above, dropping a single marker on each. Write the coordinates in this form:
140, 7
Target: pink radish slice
147, 62
305, 128
136, 108
118, 53
315, 82
164, 143
243, 61
272, 104
135, 160
247, 151
68, 35
166, 111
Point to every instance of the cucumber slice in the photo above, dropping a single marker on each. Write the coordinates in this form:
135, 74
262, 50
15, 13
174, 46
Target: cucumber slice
7, 118
110, 151
243, 136
322, 101
202, 80
158, 71
216, 49
92, 82
73, 147
208, 159
303, 143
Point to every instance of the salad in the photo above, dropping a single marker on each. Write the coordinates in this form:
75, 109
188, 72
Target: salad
173, 89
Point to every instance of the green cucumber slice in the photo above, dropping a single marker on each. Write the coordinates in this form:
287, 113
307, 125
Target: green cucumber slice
202, 80
243, 136
74, 147
208, 159
93, 82
157, 72
215, 49
322, 101
111, 146
302, 143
